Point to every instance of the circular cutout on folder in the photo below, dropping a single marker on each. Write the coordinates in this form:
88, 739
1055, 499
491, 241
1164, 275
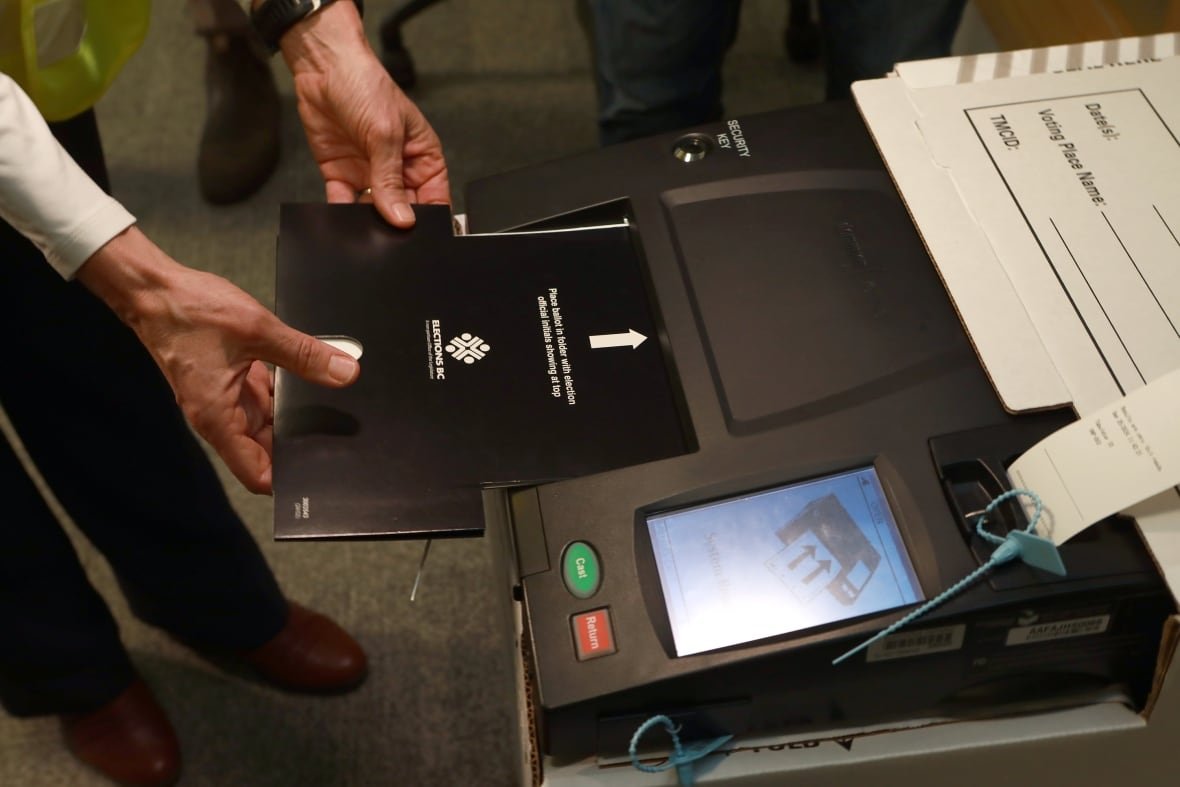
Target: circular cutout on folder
344, 343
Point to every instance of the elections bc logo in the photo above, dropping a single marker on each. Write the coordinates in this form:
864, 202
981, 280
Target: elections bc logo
465, 347
468, 348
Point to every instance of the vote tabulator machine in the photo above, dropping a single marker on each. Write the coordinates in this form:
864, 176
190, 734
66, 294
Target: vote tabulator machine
845, 433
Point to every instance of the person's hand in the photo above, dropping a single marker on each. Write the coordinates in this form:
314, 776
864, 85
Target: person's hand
212, 341
364, 132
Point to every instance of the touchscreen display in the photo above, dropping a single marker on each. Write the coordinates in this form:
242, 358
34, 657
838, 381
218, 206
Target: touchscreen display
780, 560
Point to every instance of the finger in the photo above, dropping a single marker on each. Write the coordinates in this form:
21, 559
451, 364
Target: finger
338, 191
425, 166
257, 399
247, 460
387, 180
307, 357
265, 438
223, 430
436, 190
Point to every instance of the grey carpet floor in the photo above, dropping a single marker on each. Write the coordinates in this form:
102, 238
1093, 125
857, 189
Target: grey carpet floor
505, 84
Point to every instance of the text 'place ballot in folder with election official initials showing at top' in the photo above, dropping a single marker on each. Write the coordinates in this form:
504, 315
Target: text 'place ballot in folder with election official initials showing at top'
486, 360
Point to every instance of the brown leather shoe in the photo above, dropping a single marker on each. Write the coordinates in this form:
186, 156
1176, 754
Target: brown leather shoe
240, 140
312, 654
129, 740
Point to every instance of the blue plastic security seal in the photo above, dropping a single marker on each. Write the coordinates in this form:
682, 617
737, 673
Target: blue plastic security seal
682, 757
1033, 550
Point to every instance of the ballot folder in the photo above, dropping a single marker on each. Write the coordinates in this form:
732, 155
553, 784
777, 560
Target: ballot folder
489, 360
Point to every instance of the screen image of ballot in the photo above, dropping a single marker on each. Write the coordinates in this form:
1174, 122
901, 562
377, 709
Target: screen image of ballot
780, 561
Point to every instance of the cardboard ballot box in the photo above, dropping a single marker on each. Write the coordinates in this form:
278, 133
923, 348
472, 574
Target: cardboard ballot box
1002, 234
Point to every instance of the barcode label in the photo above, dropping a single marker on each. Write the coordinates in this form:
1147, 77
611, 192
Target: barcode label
914, 643
1058, 629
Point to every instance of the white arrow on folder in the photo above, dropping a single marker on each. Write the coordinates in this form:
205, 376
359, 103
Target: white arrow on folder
631, 338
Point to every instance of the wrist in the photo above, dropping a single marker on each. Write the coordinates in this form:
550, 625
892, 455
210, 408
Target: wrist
311, 40
130, 274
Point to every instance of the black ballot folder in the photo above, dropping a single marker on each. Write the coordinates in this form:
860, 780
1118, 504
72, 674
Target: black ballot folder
486, 361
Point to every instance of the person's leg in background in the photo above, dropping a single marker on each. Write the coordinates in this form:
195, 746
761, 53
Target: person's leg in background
61, 652
863, 39
239, 147
801, 37
658, 63
102, 426
394, 54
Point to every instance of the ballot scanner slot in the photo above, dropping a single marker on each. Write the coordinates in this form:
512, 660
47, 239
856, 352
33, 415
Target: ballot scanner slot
532, 551
613, 212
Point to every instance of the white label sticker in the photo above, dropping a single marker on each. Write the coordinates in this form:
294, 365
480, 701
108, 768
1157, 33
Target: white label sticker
1060, 629
915, 643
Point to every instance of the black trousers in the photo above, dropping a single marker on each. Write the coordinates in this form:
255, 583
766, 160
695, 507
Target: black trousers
101, 424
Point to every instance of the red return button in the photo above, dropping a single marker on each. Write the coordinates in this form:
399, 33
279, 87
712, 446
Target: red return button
593, 636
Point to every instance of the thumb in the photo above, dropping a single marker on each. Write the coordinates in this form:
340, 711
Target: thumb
313, 360
387, 180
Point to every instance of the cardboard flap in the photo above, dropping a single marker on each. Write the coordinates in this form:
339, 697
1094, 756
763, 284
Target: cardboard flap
1005, 339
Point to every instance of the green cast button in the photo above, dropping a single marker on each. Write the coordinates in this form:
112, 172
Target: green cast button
580, 569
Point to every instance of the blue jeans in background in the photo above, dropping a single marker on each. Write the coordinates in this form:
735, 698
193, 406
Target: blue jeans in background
658, 62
